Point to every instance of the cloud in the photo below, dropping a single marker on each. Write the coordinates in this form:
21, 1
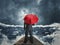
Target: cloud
38, 1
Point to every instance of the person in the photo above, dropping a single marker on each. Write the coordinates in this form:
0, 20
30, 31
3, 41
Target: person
28, 30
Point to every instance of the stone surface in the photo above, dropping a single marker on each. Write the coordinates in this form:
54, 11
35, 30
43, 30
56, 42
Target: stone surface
35, 42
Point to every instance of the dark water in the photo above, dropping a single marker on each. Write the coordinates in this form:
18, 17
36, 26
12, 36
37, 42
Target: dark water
11, 33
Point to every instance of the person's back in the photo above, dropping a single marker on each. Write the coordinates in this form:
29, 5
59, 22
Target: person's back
28, 29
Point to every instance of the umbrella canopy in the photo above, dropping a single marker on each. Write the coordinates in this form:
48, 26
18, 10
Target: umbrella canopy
30, 19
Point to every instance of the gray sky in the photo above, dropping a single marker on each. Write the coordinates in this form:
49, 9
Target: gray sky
13, 11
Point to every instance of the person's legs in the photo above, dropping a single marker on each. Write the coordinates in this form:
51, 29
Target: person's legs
31, 37
26, 36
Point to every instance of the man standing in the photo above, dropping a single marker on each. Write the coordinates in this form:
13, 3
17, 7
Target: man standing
28, 30
29, 20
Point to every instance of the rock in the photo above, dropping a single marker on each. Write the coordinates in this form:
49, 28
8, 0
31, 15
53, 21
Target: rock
35, 42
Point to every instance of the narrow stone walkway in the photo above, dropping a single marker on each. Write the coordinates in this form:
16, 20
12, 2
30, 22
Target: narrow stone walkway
20, 42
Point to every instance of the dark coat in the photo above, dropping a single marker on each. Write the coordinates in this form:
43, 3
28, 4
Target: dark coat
28, 26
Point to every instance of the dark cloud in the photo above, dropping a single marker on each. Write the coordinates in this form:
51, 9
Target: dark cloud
50, 11
47, 10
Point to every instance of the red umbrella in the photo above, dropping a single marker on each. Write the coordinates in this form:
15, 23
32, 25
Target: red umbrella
31, 19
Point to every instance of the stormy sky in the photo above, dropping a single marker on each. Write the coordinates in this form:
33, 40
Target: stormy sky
13, 11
